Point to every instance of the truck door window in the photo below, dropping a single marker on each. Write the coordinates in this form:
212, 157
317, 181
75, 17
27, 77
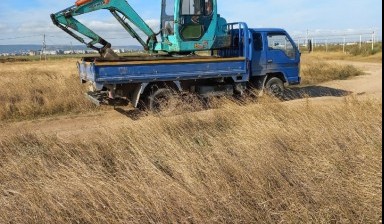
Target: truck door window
281, 42
257, 41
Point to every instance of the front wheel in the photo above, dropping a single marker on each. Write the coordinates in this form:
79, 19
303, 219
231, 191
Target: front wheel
274, 87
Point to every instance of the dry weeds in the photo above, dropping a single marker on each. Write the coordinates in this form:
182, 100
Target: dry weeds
35, 89
253, 163
315, 72
324, 56
260, 163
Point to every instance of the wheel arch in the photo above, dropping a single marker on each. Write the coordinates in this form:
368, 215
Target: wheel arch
151, 87
174, 85
279, 75
259, 81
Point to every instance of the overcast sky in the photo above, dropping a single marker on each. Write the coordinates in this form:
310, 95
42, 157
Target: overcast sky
25, 21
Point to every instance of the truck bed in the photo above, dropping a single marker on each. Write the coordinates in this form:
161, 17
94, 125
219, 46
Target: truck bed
141, 69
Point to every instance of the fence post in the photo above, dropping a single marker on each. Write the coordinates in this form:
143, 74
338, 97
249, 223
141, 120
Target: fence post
326, 45
360, 41
313, 44
373, 39
344, 45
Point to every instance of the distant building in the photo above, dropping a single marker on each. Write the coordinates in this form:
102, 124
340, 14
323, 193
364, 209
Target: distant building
32, 53
54, 52
91, 52
79, 51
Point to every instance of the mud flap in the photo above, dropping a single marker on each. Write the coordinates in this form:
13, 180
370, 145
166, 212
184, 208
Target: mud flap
137, 93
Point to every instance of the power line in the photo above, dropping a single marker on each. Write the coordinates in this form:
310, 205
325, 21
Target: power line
21, 37
335, 35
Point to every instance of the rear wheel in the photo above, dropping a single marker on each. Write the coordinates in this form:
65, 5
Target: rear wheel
162, 100
274, 87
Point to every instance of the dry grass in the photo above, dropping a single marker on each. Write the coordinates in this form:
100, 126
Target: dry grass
264, 163
35, 89
351, 52
375, 58
315, 72
254, 163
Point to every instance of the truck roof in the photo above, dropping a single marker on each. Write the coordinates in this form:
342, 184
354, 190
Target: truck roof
268, 29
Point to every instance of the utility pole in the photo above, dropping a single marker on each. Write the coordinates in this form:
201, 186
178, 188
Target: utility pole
298, 43
43, 49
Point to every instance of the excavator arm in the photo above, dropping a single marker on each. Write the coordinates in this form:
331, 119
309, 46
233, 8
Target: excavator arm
120, 9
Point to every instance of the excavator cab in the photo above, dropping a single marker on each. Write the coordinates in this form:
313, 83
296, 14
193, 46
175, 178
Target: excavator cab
195, 17
192, 25
186, 25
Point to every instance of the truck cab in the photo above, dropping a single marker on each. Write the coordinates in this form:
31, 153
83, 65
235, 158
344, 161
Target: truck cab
274, 54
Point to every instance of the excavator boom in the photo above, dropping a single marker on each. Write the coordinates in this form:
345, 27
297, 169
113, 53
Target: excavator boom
120, 9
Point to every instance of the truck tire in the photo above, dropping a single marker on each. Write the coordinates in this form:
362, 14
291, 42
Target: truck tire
162, 100
274, 87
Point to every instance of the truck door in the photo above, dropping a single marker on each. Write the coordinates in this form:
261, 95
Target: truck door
283, 56
259, 55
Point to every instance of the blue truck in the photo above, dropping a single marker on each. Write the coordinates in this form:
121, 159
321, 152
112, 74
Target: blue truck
263, 59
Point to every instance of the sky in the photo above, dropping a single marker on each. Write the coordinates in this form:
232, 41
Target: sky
26, 21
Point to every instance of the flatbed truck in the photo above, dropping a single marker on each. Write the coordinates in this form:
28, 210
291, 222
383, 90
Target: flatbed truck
266, 59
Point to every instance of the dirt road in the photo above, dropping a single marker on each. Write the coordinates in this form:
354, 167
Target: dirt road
369, 85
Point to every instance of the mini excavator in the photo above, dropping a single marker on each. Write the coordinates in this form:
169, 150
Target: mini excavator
186, 26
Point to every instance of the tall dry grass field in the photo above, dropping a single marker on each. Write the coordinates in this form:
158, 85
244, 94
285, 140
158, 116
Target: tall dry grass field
35, 89
259, 163
265, 162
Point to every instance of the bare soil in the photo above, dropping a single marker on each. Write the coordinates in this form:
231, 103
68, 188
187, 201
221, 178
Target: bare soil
84, 125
